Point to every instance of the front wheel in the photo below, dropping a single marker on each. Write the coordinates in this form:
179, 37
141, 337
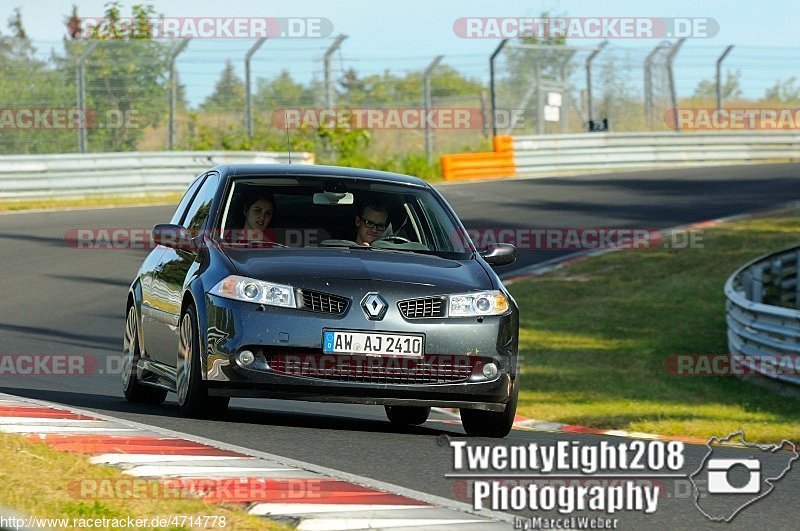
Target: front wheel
410, 415
192, 393
479, 423
135, 390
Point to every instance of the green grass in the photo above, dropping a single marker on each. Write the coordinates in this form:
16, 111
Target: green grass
594, 337
9, 205
38, 481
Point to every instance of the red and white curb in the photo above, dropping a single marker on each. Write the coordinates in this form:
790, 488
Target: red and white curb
310, 496
526, 424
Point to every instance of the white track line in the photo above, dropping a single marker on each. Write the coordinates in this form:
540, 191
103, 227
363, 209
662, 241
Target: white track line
332, 473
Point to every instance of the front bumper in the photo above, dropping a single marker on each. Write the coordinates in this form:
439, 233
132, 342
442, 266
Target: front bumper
233, 326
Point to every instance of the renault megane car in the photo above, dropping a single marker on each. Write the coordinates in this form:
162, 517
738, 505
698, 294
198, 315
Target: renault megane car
323, 284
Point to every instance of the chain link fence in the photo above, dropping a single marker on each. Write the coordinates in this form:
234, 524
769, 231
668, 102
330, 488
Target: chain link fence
150, 95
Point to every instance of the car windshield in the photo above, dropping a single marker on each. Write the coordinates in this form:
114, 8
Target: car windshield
273, 212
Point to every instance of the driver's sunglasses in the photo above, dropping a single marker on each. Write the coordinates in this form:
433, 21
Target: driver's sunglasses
380, 227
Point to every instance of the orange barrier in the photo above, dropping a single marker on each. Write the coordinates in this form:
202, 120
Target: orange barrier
496, 164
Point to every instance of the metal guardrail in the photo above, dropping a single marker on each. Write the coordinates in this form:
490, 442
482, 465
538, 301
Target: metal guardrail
27, 176
588, 151
763, 318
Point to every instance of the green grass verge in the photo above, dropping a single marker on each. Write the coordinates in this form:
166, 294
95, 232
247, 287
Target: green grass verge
9, 205
594, 337
39, 481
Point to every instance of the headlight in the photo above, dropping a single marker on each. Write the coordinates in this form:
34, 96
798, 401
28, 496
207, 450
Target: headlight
477, 304
256, 291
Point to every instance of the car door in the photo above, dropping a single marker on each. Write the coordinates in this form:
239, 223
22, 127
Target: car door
170, 274
148, 271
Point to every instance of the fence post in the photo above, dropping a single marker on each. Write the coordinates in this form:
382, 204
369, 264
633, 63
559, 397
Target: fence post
247, 99
672, 95
330, 93
426, 79
719, 75
491, 84
648, 84
81, 88
589, 60
173, 91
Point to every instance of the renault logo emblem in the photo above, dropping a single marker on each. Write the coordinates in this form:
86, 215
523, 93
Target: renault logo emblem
374, 306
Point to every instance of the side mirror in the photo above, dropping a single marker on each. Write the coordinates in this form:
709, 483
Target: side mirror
173, 236
499, 254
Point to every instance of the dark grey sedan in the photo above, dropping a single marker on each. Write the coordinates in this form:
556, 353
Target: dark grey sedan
325, 284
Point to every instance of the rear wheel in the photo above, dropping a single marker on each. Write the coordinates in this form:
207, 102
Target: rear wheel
136, 391
479, 423
410, 415
192, 393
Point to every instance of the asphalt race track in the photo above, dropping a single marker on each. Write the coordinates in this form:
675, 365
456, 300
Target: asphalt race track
60, 300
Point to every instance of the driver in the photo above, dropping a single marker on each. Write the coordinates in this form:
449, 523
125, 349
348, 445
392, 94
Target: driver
371, 223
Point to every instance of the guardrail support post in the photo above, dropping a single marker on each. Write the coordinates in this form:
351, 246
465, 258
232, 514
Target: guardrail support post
173, 91
426, 80
247, 98
80, 83
758, 284
672, 95
589, 60
492, 91
330, 93
719, 75
797, 283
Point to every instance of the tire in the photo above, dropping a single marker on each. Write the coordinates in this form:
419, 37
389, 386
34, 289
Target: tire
409, 415
192, 393
135, 391
497, 424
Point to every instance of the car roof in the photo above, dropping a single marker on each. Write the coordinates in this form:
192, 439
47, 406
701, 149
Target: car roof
240, 170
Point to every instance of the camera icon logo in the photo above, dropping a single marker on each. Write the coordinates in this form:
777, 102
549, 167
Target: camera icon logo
726, 482
718, 482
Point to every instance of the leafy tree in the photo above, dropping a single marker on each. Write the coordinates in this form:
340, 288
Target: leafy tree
731, 87
126, 76
282, 92
784, 91
228, 92
27, 83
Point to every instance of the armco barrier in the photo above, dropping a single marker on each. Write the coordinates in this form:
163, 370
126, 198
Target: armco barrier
762, 313
27, 176
546, 154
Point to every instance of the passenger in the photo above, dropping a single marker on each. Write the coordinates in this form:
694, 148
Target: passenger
258, 211
371, 223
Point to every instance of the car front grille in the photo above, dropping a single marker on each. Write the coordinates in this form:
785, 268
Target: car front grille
422, 308
316, 301
350, 368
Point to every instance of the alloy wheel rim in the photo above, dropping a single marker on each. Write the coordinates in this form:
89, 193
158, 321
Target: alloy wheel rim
184, 358
129, 347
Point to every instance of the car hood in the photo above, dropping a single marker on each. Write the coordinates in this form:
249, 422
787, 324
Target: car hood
288, 266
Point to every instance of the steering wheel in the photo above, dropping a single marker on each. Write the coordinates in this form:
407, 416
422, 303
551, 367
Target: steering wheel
393, 239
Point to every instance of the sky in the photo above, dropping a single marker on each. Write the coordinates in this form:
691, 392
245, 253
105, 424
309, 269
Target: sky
406, 35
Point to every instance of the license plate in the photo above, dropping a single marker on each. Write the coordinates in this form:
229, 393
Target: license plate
371, 343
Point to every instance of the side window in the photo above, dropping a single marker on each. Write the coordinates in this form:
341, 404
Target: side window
176, 218
197, 213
